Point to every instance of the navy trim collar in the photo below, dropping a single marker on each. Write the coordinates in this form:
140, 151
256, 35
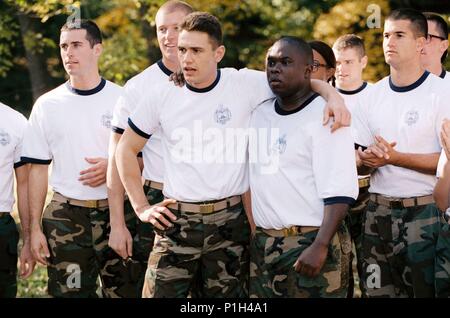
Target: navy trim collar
206, 89
403, 89
443, 73
163, 68
87, 92
355, 91
282, 112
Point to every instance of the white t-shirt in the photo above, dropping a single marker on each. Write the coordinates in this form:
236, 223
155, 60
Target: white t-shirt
297, 165
12, 128
204, 133
412, 116
134, 91
351, 97
66, 126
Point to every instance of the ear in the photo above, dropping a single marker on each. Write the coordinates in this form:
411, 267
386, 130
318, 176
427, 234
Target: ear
219, 53
98, 49
443, 46
330, 72
308, 71
364, 61
420, 44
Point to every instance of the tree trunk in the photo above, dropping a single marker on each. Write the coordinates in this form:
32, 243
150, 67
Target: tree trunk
40, 78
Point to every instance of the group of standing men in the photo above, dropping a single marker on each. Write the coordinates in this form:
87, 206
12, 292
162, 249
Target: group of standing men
246, 186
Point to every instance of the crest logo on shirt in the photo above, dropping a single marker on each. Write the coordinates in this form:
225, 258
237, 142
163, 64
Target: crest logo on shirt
5, 139
411, 117
222, 115
280, 145
106, 120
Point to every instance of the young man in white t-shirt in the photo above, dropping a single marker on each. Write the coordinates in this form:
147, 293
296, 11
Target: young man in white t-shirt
302, 180
435, 50
351, 60
202, 228
131, 238
433, 56
399, 122
12, 127
67, 126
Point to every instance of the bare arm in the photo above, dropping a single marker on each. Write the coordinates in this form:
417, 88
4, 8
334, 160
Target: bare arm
37, 191
335, 105
27, 262
247, 202
22, 200
312, 259
120, 238
442, 189
128, 168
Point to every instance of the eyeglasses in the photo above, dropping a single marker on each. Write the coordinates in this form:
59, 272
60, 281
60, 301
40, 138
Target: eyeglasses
316, 64
431, 36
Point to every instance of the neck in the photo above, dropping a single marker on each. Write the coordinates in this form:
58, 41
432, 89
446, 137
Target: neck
435, 68
207, 82
350, 86
404, 76
296, 100
173, 66
85, 82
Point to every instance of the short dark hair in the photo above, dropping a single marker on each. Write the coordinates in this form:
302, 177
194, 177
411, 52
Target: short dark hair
302, 47
442, 27
93, 33
204, 22
417, 19
350, 41
176, 5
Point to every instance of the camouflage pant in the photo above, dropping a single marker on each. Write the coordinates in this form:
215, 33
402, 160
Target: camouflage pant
353, 221
399, 250
207, 251
9, 238
272, 273
79, 253
442, 271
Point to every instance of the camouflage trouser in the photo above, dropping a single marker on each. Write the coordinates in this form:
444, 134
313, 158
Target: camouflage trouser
9, 238
207, 250
143, 236
79, 252
353, 221
399, 250
272, 273
442, 271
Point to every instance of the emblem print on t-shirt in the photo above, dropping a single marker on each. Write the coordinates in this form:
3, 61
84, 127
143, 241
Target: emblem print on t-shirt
280, 145
222, 115
106, 120
4, 138
411, 117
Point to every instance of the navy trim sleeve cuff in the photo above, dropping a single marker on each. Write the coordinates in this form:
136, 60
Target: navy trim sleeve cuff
19, 164
137, 130
35, 161
117, 130
334, 200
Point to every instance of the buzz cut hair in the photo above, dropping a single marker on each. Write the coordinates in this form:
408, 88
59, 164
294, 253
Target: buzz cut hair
206, 23
418, 21
93, 33
176, 5
300, 45
350, 41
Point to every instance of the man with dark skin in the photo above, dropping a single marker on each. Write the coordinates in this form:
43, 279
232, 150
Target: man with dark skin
304, 221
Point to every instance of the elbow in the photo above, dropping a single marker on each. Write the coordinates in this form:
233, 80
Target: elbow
441, 200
